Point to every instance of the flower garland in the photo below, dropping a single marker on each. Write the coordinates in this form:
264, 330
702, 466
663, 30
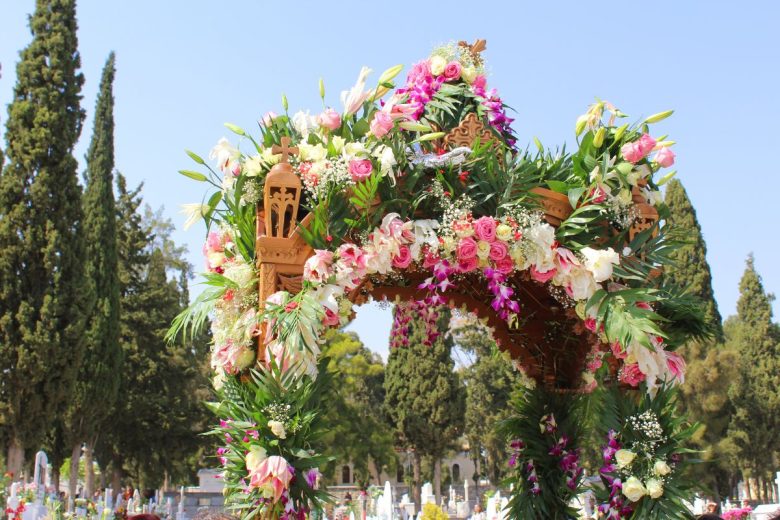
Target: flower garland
370, 172
644, 458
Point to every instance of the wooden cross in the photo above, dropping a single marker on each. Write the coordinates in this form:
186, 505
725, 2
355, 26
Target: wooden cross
475, 49
284, 149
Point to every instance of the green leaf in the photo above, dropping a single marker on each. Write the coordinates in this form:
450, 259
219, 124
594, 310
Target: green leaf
360, 128
196, 176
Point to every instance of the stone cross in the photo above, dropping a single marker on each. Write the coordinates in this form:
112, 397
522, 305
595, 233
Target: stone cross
284, 149
39, 472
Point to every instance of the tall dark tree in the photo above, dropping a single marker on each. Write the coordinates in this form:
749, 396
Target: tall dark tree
97, 384
711, 366
41, 249
157, 420
755, 394
690, 268
490, 381
359, 432
424, 397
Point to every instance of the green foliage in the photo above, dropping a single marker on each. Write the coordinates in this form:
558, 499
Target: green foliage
490, 381
423, 396
754, 393
617, 407
358, 431
155, 425
541, 420
41, 259
97, 385
289, 397
689, 267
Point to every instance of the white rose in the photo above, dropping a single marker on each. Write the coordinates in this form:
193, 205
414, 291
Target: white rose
600, 262
312, 152
624, 458
437, 65
269, 157
354, 149
253, 166
661, 468
655, 488
219, 380
277, 428
468, 74
581, 284
240, 273
633, 489
255, 457
503, 232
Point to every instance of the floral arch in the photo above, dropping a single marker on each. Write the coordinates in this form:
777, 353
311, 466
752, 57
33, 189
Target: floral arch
420, 196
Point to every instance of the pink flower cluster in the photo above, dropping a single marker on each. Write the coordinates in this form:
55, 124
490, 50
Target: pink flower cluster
741, 513
402, 321
635, 151
495, 109
618, 507
214, 251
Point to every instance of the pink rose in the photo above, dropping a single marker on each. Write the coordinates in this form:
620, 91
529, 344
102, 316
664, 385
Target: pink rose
485, 229
467, 249
631, 375
452, 71
505, 265
631, 153
273, 472
403, 258
617, 350
542, 277
466, 265
360, 169
331, 319
329, 119
590, 324
676, 365
646, 144
381, 124
665, 157
498, 250
317, 267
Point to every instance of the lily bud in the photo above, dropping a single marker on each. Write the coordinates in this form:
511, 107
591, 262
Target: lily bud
666, 178
660, 116
414, 126
580, 126
388, 75
620, 131
322, 89
598, 138
235, 129
285, 106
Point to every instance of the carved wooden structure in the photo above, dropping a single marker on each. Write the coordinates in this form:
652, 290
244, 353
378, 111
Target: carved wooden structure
550, 342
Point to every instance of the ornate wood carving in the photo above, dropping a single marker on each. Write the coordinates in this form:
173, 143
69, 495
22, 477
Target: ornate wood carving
282, 194
469, 130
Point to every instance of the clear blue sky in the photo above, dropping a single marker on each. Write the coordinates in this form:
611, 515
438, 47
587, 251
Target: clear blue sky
186, 67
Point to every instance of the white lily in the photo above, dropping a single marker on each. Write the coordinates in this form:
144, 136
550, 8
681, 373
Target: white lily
353, 99
194, 212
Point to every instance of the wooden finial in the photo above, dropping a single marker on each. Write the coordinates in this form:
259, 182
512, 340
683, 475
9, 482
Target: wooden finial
284, 149
475, 49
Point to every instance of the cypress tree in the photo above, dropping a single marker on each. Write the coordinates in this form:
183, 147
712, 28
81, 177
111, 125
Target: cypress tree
711, 367
97, 385
754, 394
690, 267
424, 397
41, 251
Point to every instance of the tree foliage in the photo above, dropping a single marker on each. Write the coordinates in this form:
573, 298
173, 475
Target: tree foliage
424, 398
754, 393
41, 250
358, 430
